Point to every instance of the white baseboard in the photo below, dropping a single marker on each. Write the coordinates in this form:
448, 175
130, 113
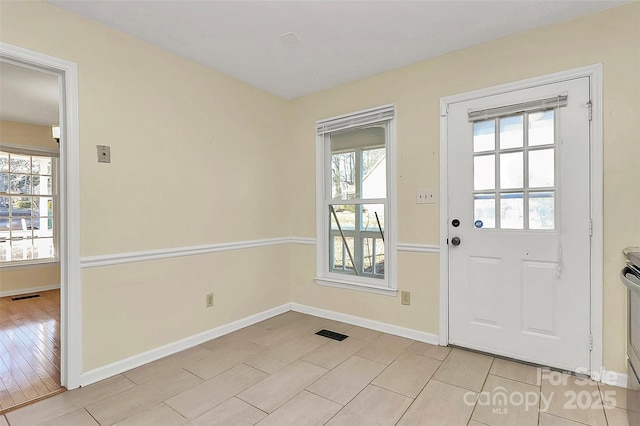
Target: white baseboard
614, 379
92, 376
29, 290
367, 323
121, 366
607, 377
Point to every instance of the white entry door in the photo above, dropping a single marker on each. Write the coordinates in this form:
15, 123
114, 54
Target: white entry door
519, 224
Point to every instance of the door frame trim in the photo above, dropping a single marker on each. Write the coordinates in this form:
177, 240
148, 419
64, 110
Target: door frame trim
594, 72
70, 279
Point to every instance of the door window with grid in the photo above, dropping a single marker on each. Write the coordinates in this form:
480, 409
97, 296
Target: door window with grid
27, 208
514, 171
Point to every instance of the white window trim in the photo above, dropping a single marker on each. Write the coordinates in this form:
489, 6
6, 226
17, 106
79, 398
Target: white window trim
29, 150
30, 264
388, 285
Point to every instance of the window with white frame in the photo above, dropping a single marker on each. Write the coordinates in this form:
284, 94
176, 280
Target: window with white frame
27, 207
355, 193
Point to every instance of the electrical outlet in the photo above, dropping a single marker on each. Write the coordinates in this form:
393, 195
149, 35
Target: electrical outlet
405, 297
425, 196
210, 300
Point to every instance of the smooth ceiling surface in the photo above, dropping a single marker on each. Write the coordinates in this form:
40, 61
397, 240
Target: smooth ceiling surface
335, 42
28, 95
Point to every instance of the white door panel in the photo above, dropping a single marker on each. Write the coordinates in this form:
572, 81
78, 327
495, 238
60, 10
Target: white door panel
538, 297
519, 282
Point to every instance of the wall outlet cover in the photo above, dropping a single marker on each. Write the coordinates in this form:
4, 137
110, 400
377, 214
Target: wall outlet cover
425, 196
104, 154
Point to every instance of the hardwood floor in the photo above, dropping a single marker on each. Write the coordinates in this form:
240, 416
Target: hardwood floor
29, 349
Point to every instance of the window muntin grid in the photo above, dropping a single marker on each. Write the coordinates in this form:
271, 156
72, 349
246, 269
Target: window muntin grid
27, 205
514, 171
357, 203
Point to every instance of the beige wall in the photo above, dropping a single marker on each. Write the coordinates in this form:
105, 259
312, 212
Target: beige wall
21, 279
611, 38
171, 292
196, 158
199, 158
26, 134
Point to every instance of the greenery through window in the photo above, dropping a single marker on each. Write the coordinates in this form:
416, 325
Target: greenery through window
27, 218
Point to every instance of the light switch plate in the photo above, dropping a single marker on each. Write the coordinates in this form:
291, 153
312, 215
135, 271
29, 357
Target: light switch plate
425, 196
104, 154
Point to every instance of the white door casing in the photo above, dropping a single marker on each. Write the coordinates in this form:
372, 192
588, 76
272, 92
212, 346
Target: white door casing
526, 294
70, 297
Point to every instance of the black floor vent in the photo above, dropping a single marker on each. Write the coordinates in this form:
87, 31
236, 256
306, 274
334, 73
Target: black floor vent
31, 296
332, 335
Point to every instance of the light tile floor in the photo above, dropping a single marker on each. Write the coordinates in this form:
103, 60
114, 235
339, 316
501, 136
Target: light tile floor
278, 372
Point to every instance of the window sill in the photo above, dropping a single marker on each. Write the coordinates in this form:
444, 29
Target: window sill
350, 285
44, 263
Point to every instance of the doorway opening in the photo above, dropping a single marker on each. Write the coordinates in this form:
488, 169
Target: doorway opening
29, 235
53, 220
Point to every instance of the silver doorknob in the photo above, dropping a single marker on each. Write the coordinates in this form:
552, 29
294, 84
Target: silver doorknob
455, 241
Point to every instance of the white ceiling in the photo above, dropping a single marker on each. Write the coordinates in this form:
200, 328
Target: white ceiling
337, 41
27, 95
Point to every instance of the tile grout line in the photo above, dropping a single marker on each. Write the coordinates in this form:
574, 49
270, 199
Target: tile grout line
361, 390
392, 391
539, 375
475, 406
305, 388
173, 409
324, 397
428, 380
89, 413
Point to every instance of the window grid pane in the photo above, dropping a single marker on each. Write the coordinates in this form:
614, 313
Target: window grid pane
368, 254
343, 175
374, 173
541, 128
484, 172
484, 206
512, 210
511, 132
484, 136
379, 257
542, 168
4, 162
511, 170
542, 210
